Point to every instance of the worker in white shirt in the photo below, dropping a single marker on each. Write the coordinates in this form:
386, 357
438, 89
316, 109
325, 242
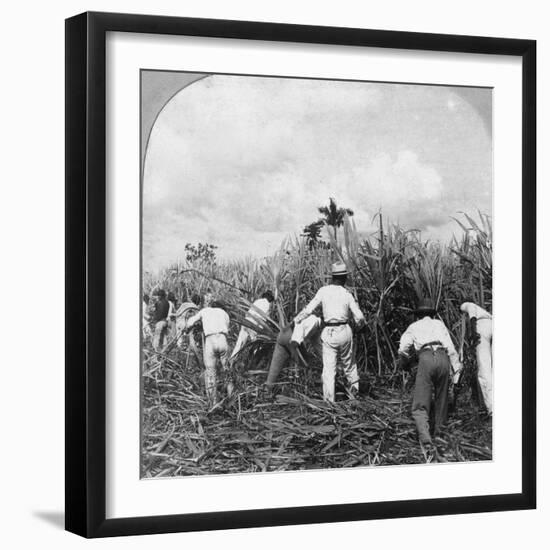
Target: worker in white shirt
481, 323
290, 337
437, 360
184, 312
215, 325
263, 304
339, 308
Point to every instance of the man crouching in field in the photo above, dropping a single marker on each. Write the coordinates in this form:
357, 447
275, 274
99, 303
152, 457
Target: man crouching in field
437, 358
215, 326
291, 336
339, 308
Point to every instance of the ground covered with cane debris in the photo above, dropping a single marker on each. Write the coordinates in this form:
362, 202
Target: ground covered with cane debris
253, 431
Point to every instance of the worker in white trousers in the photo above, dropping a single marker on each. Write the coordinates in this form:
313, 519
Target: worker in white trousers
215, 325
247, 334
482, 324
339, 308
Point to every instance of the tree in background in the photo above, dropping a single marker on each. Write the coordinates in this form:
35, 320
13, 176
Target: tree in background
203, 254
312, 233
333, 215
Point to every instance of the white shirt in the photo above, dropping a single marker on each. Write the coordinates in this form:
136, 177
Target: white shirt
305, 329
428, 330
263, 305
474, 310
214, 320
338, 306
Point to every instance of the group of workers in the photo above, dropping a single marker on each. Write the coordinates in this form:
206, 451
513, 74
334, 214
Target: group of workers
327, 321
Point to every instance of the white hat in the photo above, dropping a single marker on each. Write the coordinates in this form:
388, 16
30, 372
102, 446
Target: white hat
339, 268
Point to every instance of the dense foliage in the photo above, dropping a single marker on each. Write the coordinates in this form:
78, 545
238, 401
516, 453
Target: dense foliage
389, 272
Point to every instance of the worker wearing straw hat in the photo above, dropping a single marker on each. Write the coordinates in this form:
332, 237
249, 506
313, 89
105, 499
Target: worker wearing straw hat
215, 325
482, 325
437, 358
339, 308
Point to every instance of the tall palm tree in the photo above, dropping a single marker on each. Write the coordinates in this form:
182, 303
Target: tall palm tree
334, 215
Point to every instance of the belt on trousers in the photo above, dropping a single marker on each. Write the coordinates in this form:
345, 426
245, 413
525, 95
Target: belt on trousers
214, 334
433, 346
336, 323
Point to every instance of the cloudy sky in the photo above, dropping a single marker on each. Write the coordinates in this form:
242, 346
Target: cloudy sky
241, 162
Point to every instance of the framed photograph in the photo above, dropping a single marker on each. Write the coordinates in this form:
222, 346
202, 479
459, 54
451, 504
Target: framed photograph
300, 274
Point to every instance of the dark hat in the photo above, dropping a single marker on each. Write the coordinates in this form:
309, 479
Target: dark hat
159, 292
425, 306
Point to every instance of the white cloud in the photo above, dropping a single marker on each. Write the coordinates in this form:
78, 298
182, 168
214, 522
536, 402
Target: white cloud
243, 161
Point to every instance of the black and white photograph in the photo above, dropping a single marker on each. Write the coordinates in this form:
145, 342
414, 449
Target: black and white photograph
280, 250
316, 274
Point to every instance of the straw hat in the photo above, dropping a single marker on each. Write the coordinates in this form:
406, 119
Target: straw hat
339, 268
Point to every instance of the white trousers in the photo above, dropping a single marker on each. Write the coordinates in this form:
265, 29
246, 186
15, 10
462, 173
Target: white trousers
337, 349
215, 349
484, 354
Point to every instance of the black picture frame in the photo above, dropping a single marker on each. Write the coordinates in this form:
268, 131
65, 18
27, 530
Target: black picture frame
86, 273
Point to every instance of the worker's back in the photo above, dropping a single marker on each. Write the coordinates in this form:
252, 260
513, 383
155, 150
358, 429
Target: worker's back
214, 321
427, 330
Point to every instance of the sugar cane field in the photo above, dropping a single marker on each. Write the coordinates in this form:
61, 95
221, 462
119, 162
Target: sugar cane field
293, 428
